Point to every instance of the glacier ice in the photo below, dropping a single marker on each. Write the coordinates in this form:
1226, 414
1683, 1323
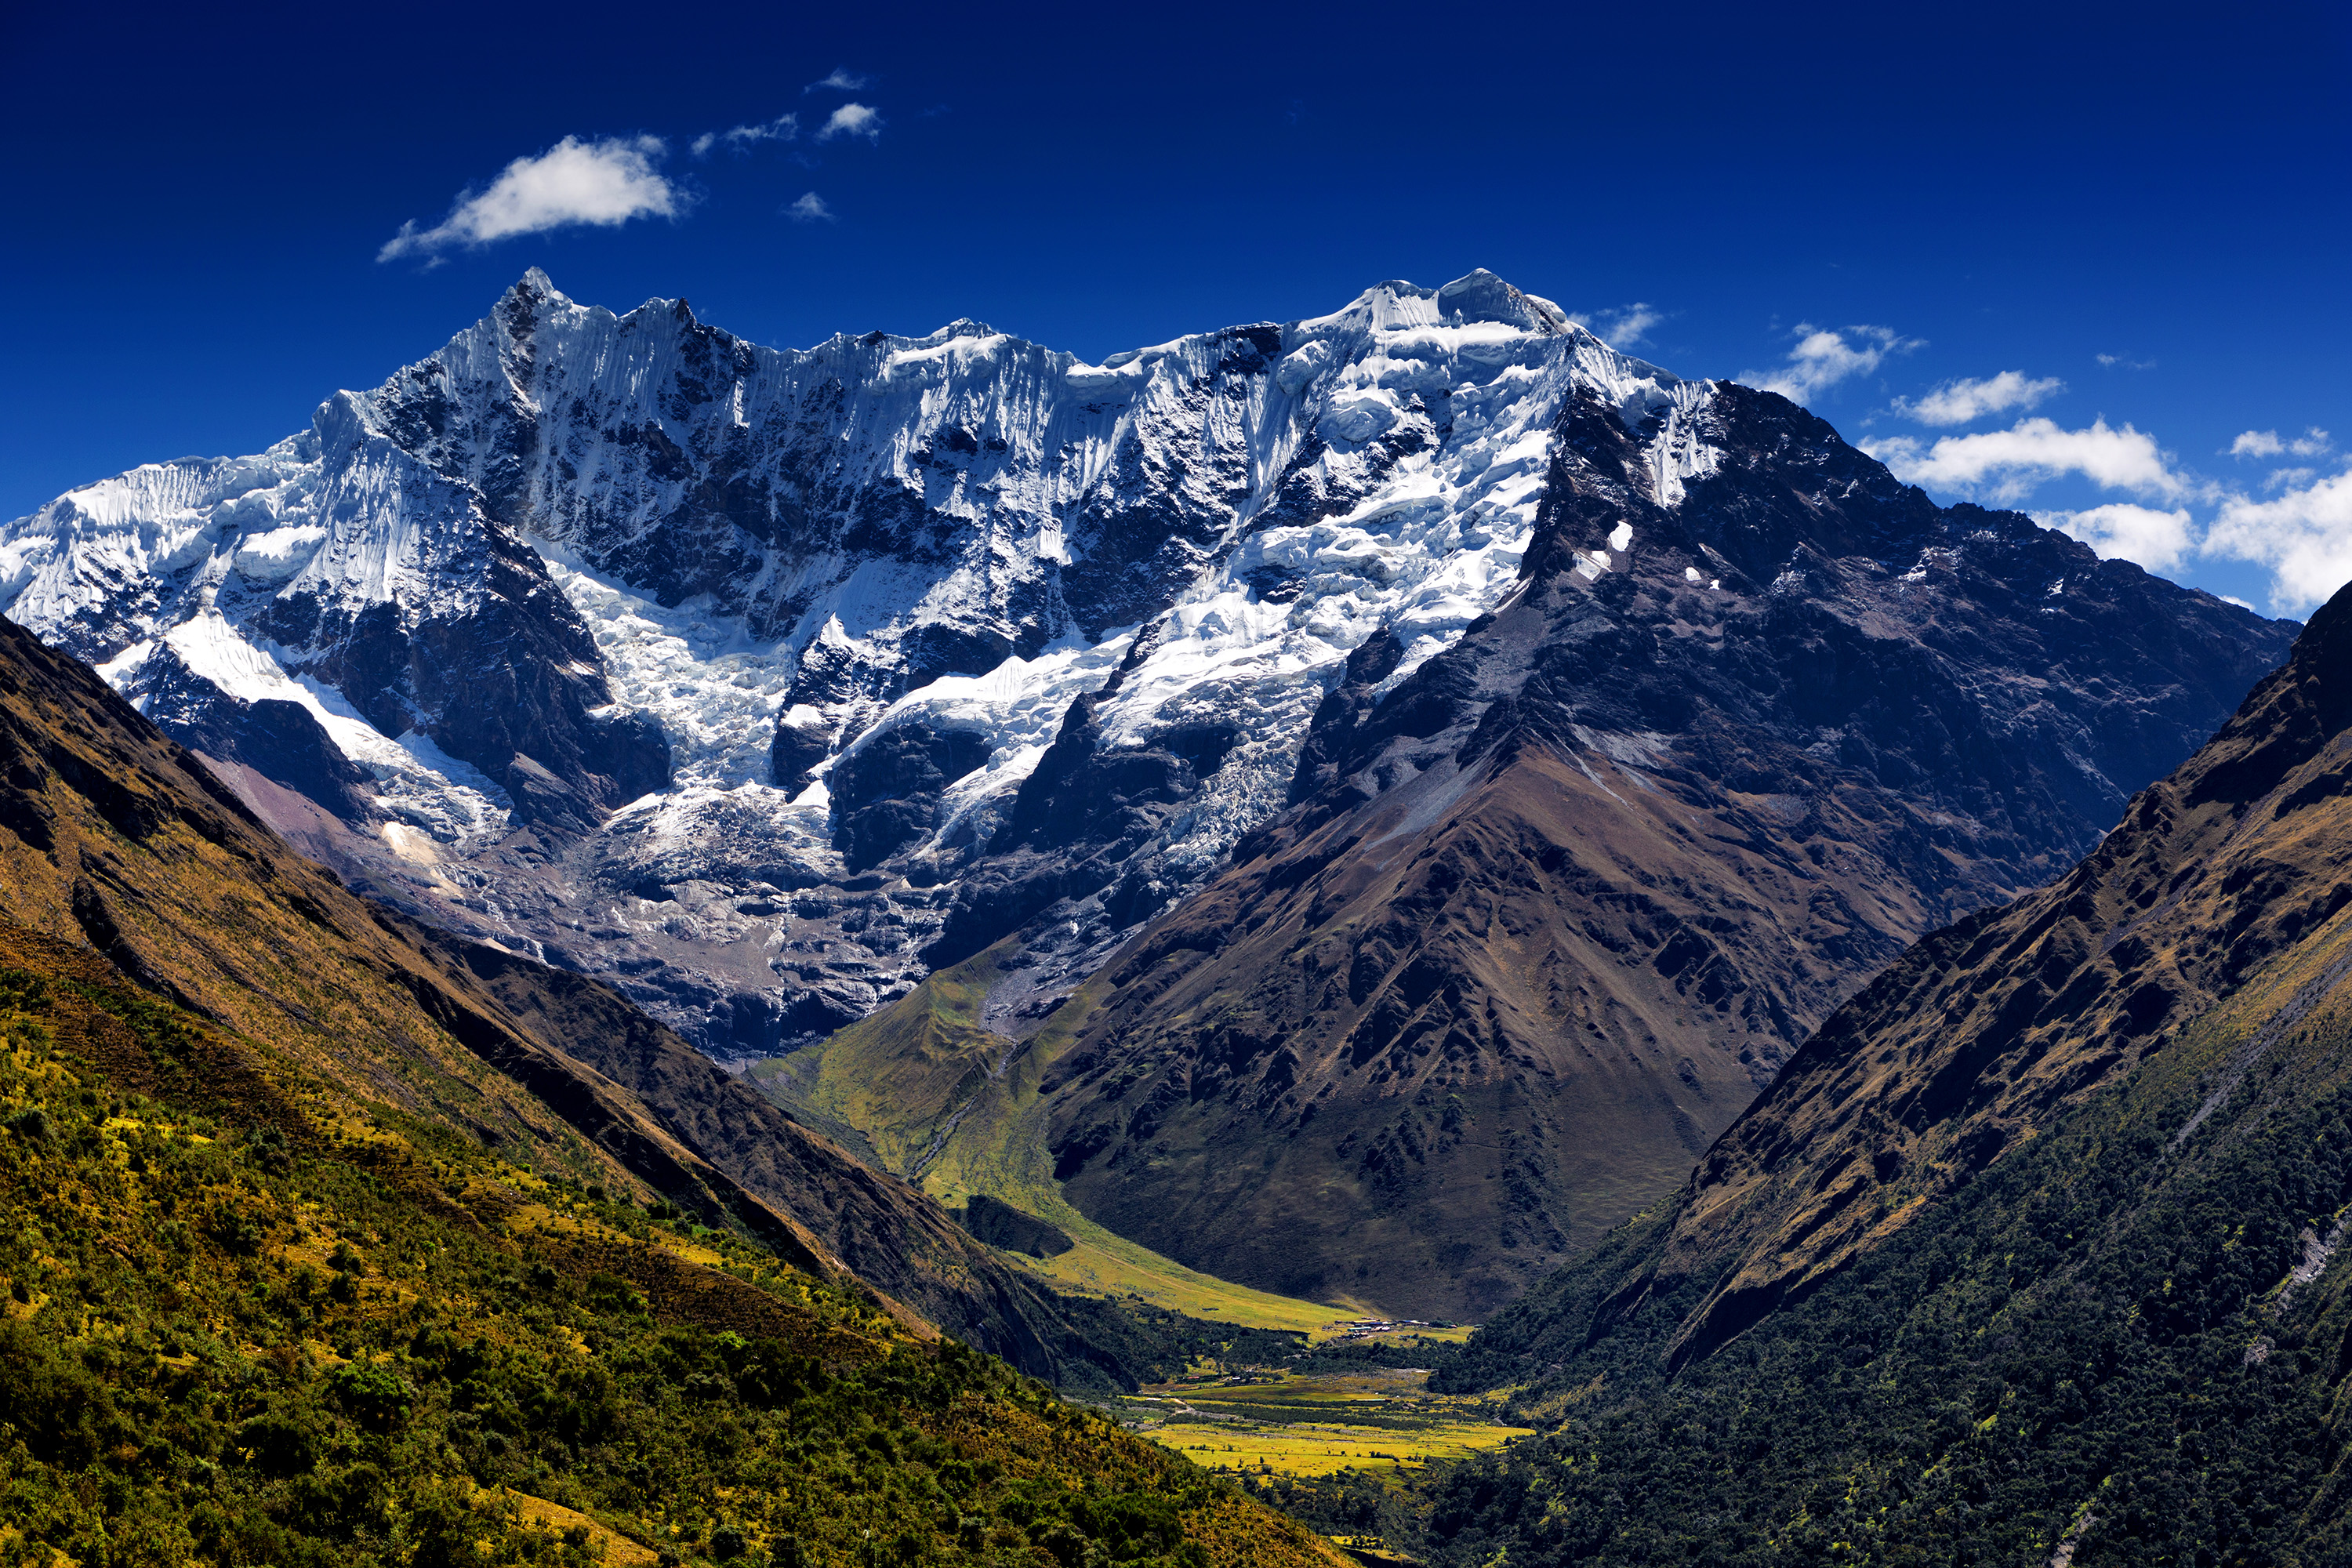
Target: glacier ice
964, 530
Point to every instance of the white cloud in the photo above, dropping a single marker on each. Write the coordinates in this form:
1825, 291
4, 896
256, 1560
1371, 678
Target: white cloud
2111, 361
603, 183
1627, 325
809, 209
783, 128
2155, 540
2005, 465
2314, 442
1957, 402
841, 79
851, 120
2304, 536
1822, 358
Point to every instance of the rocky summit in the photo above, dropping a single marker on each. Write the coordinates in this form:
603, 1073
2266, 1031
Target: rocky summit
1432, 767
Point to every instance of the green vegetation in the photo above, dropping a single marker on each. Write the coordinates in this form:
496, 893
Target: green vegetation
251, 1319
929, 1092
2106, 1344
1317, 1425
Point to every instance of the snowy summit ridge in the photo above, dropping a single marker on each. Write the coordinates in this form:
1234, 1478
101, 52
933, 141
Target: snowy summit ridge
717, 668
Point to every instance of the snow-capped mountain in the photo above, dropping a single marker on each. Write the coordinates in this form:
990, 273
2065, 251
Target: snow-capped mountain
719, 670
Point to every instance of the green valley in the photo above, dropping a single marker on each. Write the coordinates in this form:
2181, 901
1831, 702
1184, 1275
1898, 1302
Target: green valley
931, 1093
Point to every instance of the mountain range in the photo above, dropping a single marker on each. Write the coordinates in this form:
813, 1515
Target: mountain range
1392, 785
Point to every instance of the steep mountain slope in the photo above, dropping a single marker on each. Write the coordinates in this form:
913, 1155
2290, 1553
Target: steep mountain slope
813, 617
2031, 1253
113, 834
251, 1315
1552, 907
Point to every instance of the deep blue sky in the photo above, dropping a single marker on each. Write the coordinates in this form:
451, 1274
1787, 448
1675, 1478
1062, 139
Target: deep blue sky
201, 203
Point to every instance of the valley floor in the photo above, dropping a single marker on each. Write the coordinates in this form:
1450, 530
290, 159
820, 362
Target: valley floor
1251, 1422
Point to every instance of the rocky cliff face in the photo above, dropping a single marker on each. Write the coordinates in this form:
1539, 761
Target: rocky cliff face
1551, 910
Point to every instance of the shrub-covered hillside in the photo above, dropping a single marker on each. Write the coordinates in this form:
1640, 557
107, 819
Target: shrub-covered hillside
252, 1318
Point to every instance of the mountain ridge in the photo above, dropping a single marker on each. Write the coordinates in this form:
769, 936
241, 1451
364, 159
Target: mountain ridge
1549, 911
2034, 1252
659, 519
119, 838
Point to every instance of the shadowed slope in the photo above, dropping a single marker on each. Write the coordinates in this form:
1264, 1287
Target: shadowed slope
1985, 1031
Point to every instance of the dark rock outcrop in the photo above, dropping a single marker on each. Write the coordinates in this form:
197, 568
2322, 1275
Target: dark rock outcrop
278, 739
1001, 1224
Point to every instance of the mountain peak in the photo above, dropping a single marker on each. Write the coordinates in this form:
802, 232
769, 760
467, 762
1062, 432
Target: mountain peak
534, 288
1479, 295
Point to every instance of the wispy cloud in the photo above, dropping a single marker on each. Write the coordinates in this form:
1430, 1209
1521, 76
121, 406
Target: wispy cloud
2304, 536
840, 80
2123, 361
2005, 465
809, 208
574, 182
2159, 541
783, 128
2313, 443
1625, 325
1824, 357
851, 120
1959, 402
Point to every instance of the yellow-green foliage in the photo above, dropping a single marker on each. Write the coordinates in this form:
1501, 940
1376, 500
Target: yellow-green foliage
1381, 1420
250, 1319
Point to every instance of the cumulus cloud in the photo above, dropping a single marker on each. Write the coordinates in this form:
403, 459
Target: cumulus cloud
809, 209
1823, 357
2313, 443
1626, 325
841, 79
851, 120
2304, 536
1957, 402
574, 182
2159, 541
783, 128
2005, 465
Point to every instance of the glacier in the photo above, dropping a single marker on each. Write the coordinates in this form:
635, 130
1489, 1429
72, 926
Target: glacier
717, 670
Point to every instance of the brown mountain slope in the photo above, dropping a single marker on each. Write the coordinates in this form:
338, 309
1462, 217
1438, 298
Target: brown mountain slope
1550, 909
1985, 1032
113, 834
2033, 1254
